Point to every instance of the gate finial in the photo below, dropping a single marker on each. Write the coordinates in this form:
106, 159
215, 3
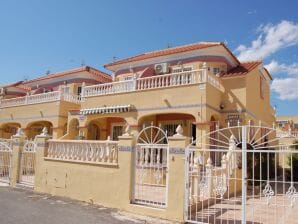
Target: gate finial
232, 143
44, 132
19, 132
179, 131
127, 130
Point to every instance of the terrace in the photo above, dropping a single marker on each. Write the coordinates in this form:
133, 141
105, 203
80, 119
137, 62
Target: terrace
199, 76
40, 98
154, 82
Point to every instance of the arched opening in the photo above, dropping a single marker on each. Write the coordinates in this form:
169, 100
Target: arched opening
35, 128
65, 129
9, 129
169, 122
102, 128
73, 129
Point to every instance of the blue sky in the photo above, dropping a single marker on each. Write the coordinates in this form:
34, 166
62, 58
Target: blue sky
55, 35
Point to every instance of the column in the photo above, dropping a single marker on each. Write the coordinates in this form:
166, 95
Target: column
17, 147
41, 151
125, 161
176, 183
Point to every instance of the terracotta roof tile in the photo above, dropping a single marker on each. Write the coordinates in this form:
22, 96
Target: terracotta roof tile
168, 51
242, 69
72, 71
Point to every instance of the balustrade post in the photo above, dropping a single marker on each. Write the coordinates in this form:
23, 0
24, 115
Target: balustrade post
209, 178
60, 95
176, 176
134, 82
17, 146
126, 150
83, 90
205, 72
26, 98
41, 151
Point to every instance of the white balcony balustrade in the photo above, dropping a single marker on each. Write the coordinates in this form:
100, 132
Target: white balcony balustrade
108, 88
154, 82
96, 152
40, 98
287, 134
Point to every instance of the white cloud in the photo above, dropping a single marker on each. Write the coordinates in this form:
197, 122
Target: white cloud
286, 88
271, 39
275, 67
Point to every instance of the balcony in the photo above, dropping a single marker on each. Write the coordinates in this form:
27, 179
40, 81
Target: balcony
40, 98
287, 134
155, 82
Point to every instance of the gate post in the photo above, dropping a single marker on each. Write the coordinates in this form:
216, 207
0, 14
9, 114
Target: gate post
41, 151
176, 178
125, 161
17, 146
244, 173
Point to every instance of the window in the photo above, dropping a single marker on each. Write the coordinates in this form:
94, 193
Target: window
79, 90
65, 89
127, 78
281, 124
170, 128
117, 130
216, 71
181, 69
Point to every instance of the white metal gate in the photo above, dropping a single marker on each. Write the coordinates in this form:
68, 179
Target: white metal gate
255, 180
27, 164
151, 168
5, 160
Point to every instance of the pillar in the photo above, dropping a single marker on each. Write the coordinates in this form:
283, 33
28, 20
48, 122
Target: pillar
125, 161
176, 183
17, 146
41, 152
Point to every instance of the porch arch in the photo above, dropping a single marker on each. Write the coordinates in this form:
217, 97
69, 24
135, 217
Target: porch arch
9, 129
34, 128
73, 128
100, 128
169, 122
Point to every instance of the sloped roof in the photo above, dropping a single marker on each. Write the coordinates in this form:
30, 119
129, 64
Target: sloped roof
242, 69
173, 50
72, 71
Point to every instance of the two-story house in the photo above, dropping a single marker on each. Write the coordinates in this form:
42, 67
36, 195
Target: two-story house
201, 86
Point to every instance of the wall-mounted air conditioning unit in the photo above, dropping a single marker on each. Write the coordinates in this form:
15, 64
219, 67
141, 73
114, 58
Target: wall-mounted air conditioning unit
161, 68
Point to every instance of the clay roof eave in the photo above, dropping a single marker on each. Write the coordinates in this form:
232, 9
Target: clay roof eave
169, 51
68, 72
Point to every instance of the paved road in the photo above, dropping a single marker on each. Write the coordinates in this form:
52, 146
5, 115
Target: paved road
25, 207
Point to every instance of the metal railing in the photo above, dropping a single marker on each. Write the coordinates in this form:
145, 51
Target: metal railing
27, 165
5, 160
154, 82
82, 151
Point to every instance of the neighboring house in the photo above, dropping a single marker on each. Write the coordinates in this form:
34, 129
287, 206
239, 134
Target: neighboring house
287, 128
200, 86
287, 125
44, 101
